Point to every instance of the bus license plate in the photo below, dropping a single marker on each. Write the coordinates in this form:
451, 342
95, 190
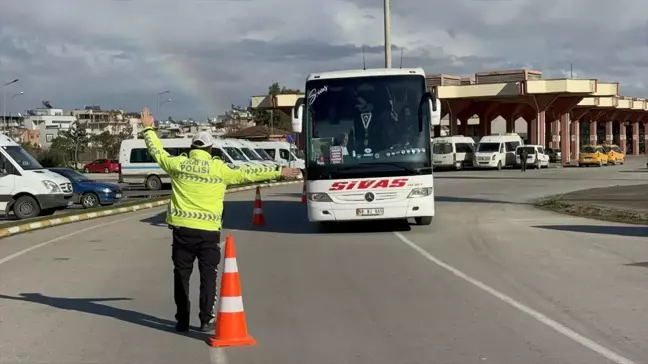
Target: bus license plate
370, 212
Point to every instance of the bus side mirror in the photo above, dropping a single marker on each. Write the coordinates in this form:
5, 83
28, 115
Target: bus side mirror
297, 115
433, 107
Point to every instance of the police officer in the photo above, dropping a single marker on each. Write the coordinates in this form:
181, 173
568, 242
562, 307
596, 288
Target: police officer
195, 215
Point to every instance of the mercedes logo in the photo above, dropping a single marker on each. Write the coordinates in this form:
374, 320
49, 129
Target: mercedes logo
369, 196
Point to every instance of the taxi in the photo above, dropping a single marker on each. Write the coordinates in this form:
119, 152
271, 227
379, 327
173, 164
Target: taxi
614, 153
592, 155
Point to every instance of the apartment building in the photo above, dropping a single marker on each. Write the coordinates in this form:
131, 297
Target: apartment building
97, 121
49, 122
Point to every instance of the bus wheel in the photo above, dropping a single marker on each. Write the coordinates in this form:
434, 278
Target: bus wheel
423, 220
153, 183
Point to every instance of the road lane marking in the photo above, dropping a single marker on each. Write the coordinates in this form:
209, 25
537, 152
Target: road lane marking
217, 356
562, 329
63, 237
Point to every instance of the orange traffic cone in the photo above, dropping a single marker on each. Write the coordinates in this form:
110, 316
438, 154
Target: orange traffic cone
231, 326
257, 215
303, 200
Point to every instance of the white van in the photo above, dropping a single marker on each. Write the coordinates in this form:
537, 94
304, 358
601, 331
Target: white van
453, 151
536, 156
284, 153
497, 151
248, 152
138, 167
27, 188
250, 147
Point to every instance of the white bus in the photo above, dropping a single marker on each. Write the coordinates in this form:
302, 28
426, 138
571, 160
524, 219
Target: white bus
138, 167
367, 138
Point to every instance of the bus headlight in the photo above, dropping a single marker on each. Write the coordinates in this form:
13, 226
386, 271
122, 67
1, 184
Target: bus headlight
420, 192
319, 197
51, 185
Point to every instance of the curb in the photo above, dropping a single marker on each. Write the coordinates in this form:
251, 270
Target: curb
19, 229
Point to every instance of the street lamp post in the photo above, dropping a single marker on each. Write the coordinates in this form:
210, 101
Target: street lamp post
157, 110
4, 102
388, 57
13, 97
162, 103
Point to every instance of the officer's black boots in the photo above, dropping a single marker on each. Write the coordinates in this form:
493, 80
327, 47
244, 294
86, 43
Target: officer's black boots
207, 326
182, 327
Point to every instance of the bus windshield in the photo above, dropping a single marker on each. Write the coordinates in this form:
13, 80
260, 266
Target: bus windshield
488, 147
366, 120
235, 154
263, 154
24, 160
250, 154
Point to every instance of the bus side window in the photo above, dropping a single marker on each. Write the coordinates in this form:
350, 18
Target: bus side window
510, 146
284, 154
463, 148
270, 152
174, 152
140, 155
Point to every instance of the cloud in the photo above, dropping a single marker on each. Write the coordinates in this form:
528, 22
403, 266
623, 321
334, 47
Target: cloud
212, 53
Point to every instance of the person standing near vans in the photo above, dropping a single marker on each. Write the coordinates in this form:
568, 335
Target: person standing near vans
524, 155
195, 214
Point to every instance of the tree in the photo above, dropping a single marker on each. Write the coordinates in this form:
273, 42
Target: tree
32, 149
77, 140
276, 119
276, 89
103, 141
115, 142
63, 149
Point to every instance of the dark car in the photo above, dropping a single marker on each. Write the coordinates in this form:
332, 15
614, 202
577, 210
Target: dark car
90, 193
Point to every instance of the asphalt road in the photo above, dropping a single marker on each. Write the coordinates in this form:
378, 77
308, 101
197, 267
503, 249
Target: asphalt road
493, 280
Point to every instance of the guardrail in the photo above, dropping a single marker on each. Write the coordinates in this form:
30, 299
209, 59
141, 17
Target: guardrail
41, 222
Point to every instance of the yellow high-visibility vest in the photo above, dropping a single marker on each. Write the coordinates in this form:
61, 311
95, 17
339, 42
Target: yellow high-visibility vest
199, 183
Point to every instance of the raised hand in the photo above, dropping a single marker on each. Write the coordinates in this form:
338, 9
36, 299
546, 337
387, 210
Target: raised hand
146, 118
290, 172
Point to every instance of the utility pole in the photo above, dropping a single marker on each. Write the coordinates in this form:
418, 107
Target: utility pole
4, 102
388, 57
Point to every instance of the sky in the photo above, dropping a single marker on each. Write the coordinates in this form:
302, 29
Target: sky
213, 53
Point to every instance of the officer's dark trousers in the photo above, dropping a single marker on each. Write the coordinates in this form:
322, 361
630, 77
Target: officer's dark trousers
524, 166
189, 244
